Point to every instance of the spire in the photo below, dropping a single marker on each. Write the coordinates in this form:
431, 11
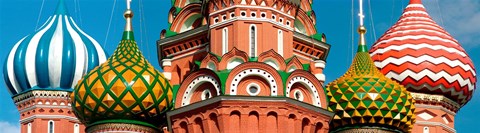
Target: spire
61, 8
362, 47
415, 1
128, 33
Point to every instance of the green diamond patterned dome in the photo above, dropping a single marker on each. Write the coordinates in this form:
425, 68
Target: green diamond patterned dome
124, 89
364, 98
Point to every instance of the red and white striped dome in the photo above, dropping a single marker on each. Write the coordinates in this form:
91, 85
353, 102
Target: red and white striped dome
423, 57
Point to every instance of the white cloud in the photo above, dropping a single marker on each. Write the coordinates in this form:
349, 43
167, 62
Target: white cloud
6, 127
461, 18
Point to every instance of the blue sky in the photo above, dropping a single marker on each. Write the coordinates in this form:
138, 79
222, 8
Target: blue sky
18, 18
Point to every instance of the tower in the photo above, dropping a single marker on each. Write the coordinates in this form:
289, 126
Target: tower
426, 59
42, 68
243, 65
364, 100
124, 94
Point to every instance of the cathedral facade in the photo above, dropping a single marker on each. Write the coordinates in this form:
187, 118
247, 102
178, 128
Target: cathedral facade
232, 66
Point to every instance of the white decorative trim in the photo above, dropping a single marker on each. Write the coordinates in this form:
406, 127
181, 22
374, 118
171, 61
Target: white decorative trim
167, 75
255, 72
44, 106
435, 107
320, 77
188, 94
319, 64
166, 62
31, 118
251, 8
307, 83
251, 19
436, 124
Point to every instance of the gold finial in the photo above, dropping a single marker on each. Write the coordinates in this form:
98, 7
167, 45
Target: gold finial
128, 16
361, 30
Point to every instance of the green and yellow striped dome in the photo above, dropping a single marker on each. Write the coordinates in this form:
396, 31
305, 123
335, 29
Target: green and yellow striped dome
364, 98
124, 89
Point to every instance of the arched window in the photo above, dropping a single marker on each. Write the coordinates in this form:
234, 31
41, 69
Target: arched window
224, 40
253, 41
51, 126
280, 42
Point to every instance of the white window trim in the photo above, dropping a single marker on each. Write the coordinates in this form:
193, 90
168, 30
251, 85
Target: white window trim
53, 126
203, 97
76, 128
253, 14
253, 85
263, 13
300, 97
426, 130
233, 15
243, 12
250, 40
224, 40
29, 128
280, 42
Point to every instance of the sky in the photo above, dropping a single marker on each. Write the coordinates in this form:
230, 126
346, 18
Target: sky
103, 20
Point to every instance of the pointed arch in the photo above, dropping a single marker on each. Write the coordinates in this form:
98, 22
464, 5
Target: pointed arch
294, 64
234, 54
272, 56
210, 60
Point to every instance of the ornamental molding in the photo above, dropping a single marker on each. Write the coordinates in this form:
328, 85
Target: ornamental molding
428, 123
120, 128
309, 85
425, 99
40, 94
250, 7
69, 107
31, 118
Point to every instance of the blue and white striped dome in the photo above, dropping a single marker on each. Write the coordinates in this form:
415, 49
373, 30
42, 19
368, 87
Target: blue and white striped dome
53, 58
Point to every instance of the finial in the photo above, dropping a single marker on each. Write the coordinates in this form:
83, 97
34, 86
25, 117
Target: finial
128, 3
360, 14
128, 26
362, 47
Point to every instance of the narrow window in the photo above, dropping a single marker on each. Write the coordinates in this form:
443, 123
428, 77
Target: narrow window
50, 126
253, 41
426, 130
280, 42
76, 128
225, 40
29, 128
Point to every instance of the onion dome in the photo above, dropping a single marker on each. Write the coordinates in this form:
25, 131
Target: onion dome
124, 89
363, 98
423, 57
53, 58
